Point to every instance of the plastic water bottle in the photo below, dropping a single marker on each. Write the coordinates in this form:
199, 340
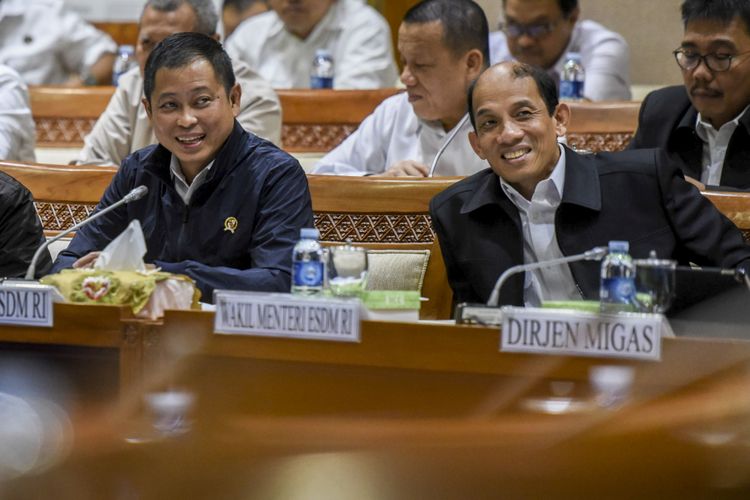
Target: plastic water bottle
308, 264
572, 78
321, 75
124, 62
617, 292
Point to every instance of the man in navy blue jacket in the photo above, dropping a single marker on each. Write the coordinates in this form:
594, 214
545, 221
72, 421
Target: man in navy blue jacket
224, 206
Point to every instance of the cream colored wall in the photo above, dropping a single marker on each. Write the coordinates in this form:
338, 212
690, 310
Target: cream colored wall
652, 28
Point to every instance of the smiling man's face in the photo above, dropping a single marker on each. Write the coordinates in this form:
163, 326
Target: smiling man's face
191, 113
515, 132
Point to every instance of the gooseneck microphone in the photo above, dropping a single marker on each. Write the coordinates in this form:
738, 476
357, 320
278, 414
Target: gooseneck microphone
135, 194
448, 140
596, 253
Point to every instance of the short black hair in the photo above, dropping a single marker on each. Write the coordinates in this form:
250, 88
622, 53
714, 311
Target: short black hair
566, 6
181, 49
464, 24
545, 84
241, 5
719, 10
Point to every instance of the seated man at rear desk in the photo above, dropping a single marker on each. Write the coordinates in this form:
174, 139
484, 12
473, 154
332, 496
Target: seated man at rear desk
540, 201
543, 32
224, 207
124, 126
281, 44
706, 122
443, 46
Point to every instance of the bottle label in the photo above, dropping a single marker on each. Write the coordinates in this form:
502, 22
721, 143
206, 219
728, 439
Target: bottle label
571, 89
319, 82
618, 290
308, 273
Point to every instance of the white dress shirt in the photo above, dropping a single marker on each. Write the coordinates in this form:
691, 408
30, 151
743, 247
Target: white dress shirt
604, 56
356, 35
46, 44
17, 130
540, 239
393, 133
124, 126
715, 143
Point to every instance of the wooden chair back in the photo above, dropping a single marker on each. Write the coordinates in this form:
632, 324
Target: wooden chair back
64, 195
602, 126
386, 213
65, 115
313, 121
319, 120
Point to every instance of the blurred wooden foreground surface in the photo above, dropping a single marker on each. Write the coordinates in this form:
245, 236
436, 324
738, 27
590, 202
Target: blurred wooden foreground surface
412, 411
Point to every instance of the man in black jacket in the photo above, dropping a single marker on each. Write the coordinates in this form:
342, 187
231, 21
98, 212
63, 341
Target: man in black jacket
541, 200
705, 122
20, 230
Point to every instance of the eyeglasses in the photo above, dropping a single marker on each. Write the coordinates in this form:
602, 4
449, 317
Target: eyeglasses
515, 30
689, 60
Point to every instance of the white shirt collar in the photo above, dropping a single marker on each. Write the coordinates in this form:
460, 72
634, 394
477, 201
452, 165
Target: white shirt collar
184, 189
703, 128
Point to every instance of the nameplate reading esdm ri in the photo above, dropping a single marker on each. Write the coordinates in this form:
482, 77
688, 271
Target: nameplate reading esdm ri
285, 315
26, 304
563, 332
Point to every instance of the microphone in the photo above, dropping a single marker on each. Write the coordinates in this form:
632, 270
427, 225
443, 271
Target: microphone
135, 194
596, 253
433, 166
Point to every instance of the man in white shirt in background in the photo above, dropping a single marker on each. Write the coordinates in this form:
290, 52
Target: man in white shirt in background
443, 47
281, 44
233, 12
17, 130
542, 32
48, 45
124, 126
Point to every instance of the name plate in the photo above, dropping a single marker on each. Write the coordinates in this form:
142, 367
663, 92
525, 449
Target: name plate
26, 304
557, 331
286, 315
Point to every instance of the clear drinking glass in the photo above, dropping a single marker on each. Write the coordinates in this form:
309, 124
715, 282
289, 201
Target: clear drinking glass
654, 284
347, 270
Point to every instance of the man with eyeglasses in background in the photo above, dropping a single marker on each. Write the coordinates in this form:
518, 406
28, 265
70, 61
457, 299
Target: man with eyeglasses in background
705, 122
542, 32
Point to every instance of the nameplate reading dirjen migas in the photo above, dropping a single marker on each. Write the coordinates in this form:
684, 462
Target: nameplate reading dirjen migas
563, 332
285, 315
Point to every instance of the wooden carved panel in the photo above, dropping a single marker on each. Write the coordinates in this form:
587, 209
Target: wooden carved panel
316, 138
374, 228
63, 132
597, 142
61, 216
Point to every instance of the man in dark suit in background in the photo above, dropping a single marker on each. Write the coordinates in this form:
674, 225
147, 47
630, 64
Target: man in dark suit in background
541, 201
705, 122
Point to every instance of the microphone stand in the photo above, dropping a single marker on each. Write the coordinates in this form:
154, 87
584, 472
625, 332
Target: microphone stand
596, 253
135, 194
445, 144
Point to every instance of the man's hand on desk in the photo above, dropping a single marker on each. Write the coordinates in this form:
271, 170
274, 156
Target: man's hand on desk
406, 168
87, 261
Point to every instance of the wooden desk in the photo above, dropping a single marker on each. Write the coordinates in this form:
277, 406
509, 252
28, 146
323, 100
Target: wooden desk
417, 411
